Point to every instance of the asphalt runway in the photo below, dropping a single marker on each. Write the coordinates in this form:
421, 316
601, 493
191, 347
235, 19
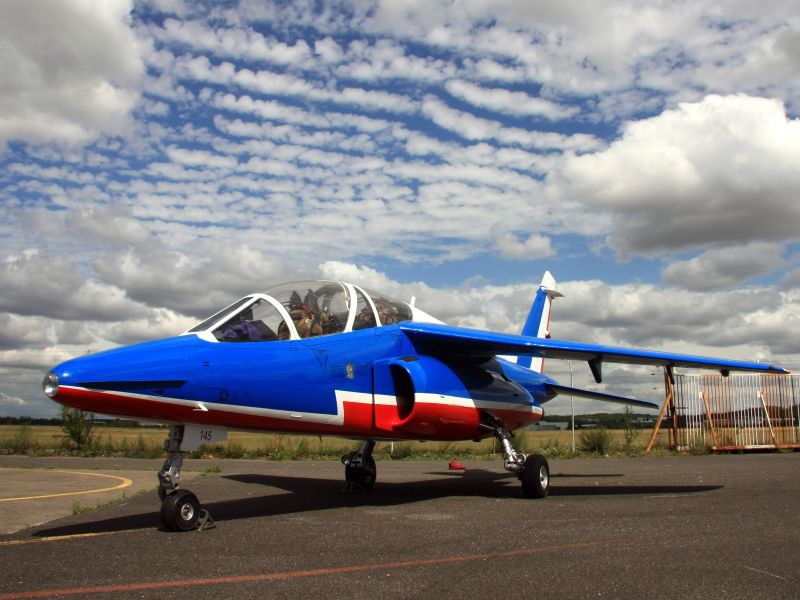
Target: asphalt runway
675, 527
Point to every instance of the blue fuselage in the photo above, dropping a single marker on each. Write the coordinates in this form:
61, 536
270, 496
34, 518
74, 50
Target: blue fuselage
296, 385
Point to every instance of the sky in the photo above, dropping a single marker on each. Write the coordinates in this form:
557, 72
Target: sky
160, 159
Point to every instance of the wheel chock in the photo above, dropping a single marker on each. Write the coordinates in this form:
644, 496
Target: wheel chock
205, 521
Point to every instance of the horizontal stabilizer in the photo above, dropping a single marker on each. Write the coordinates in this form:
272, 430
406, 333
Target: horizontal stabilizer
565, 390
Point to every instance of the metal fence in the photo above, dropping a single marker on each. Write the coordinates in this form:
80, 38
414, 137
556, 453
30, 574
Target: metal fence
738, 412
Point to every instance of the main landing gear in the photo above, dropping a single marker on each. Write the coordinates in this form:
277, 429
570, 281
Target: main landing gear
180, 509
533, 471
360, 470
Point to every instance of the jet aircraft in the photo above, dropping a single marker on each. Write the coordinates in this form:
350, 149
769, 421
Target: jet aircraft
332, 358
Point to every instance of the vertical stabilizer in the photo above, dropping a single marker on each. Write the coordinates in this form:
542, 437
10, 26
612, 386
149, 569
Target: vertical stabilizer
538, 322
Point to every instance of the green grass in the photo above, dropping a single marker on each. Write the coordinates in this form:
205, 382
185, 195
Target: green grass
148, 442
596, 441
78, 508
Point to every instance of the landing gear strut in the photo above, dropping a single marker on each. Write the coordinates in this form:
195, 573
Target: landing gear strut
533, 471
360, 470
180, 509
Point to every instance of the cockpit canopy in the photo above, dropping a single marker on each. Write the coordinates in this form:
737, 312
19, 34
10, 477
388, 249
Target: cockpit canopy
301, 310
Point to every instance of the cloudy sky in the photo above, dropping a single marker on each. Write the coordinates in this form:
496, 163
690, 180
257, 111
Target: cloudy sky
159, 160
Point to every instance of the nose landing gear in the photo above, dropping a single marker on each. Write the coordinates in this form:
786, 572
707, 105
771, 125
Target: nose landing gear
360, 470
180, 508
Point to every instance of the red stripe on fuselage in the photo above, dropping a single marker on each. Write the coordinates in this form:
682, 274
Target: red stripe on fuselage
444, 421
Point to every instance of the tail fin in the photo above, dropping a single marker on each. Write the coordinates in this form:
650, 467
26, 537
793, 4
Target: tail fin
538, 322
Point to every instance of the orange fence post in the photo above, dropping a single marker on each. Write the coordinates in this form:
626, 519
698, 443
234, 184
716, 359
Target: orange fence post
710, 420
667, 400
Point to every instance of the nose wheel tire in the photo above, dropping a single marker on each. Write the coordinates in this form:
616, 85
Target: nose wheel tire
180, 511
535, 477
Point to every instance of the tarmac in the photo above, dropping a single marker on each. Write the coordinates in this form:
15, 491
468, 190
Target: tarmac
663, 527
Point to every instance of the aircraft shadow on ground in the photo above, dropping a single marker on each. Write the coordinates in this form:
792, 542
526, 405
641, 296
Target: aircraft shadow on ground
621, 490
316, 494
587, 475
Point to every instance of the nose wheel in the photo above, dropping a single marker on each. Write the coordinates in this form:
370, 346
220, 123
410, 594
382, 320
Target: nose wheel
535, 477
180, 511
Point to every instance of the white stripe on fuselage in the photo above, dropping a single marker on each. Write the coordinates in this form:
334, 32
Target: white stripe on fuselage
273, 413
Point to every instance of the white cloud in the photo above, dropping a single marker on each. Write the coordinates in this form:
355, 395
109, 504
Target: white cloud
754, 322
277, 111
21, 332
609, 48
197, 284
791, 281
512, 246
508, 102
7, 402
172, 7
473, 128
70, 70
719, 171
160, 323
282, 84
725, 267
387, 60
200, 158
36, 285
362, 275
232, 42
491, 70
328, 50
525, 161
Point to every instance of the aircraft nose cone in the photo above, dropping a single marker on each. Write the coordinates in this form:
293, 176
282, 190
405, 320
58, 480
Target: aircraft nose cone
50, 384
60, 376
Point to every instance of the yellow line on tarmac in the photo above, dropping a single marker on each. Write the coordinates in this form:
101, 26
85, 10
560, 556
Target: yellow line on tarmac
61, 538
125, 482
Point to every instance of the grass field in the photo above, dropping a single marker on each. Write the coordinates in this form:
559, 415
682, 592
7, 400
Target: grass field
147, 442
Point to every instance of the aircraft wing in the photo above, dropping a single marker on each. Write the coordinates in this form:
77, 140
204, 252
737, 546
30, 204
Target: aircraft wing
483, 344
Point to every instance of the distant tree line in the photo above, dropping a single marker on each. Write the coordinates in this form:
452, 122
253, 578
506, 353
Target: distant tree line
608, 420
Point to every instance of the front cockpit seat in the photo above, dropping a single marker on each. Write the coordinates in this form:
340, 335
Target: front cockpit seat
248, 331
